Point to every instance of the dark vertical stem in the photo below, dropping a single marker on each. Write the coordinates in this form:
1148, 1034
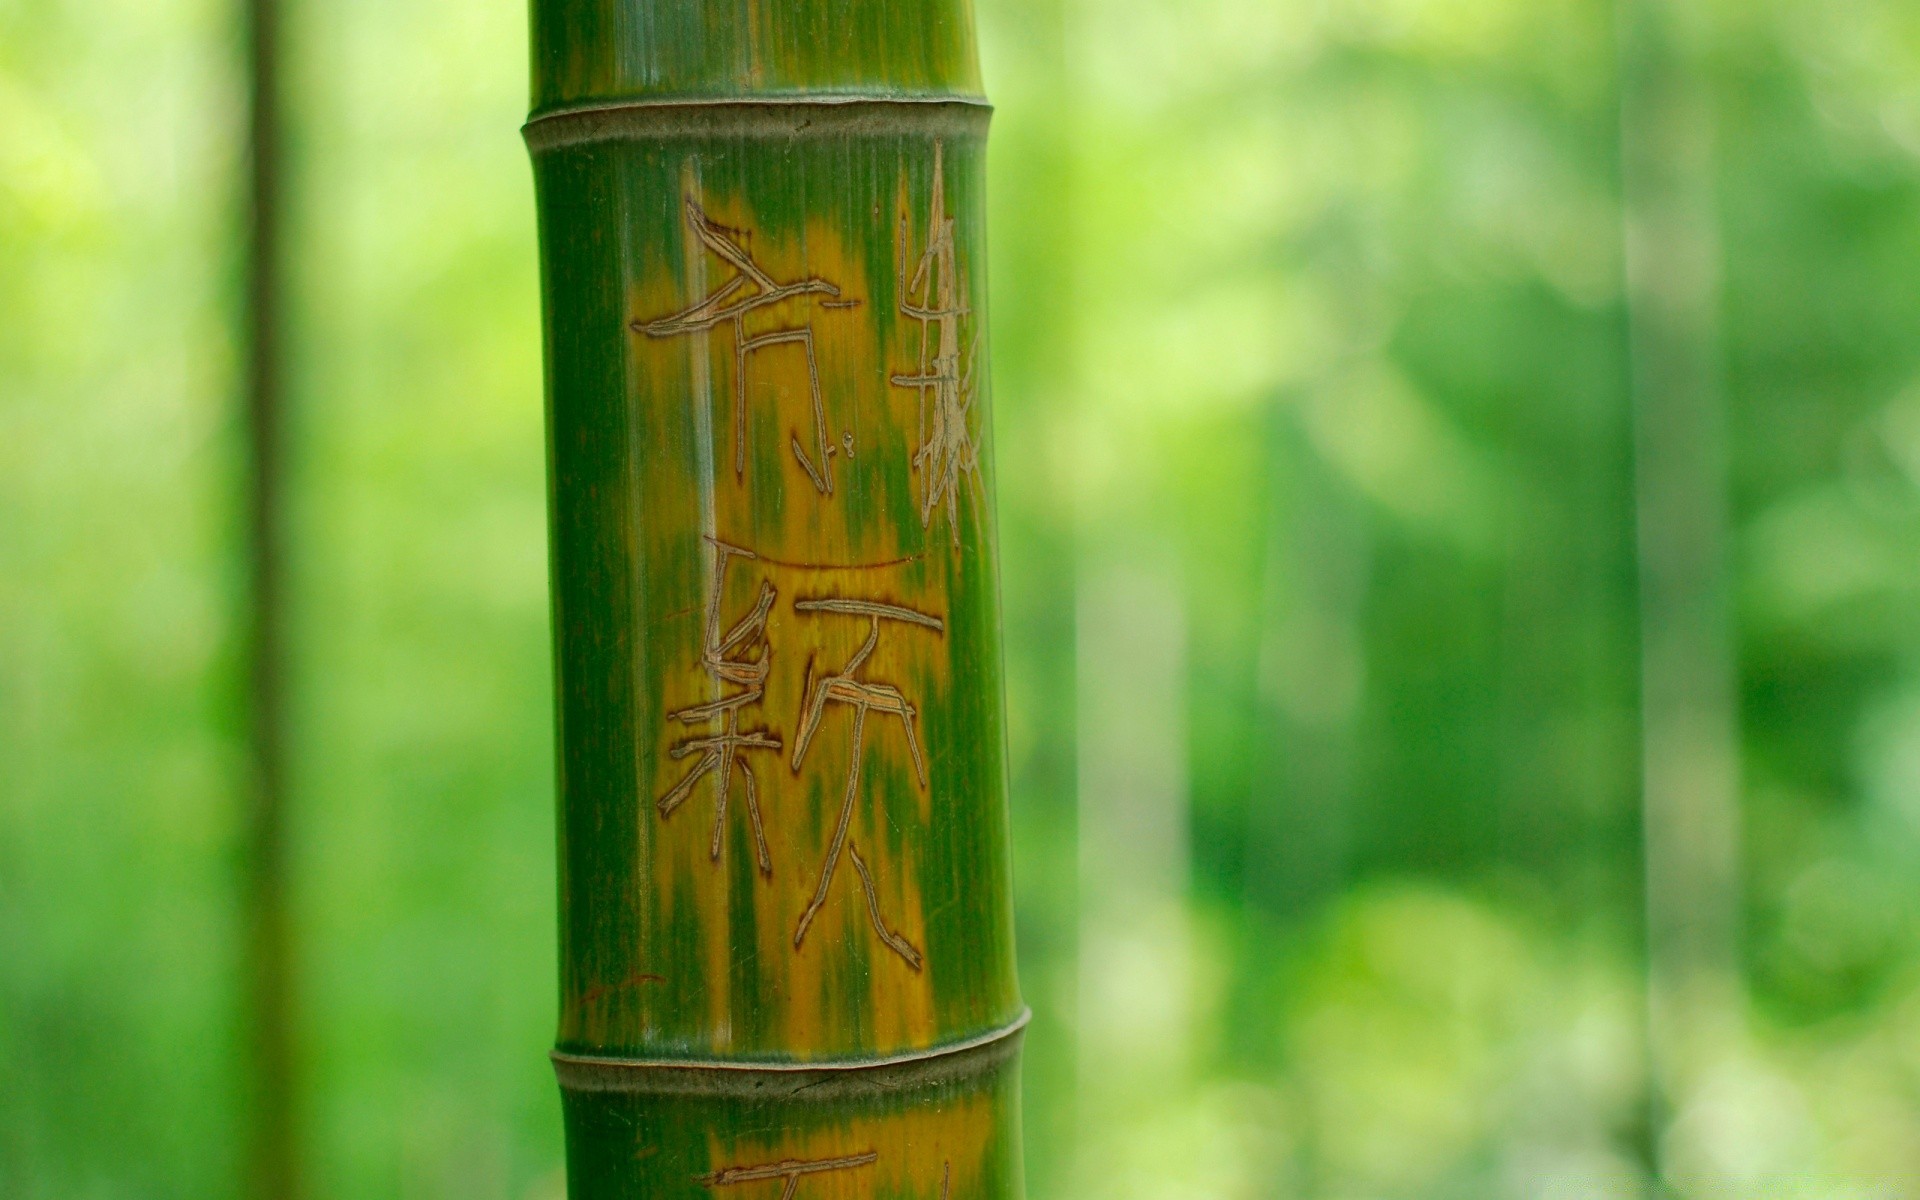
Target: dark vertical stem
1312, 667
268, 978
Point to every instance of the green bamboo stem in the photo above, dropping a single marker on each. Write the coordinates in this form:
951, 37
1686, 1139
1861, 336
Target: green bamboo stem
272, 1156
786, 944
1689, 690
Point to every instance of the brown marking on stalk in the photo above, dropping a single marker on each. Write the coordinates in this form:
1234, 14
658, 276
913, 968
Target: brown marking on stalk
728, 305
601, 991
789, 1169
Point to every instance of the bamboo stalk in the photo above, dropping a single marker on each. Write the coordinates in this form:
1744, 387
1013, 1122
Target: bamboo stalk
267, 1003
1689, 719
786, 944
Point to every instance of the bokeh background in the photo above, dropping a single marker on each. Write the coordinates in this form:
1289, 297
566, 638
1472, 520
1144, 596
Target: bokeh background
1385, 390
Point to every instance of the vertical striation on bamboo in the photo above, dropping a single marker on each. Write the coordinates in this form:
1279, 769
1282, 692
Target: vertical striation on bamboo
785, 923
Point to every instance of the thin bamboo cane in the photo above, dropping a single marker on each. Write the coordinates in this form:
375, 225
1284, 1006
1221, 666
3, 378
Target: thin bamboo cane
272, 1156
1690, 756
786, 944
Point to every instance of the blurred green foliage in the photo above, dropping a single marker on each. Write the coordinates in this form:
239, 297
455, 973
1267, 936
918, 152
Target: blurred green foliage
1316, 489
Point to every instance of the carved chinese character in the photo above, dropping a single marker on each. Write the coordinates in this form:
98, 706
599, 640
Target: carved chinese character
947, 452
862, 696
744, 293
741, 657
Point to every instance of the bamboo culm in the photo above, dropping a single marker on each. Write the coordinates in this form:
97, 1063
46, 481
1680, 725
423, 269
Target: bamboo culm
786, 943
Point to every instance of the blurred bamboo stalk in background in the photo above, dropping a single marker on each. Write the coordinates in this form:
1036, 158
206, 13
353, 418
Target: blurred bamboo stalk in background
272, 1149
786, 934
1690, 753
1135, 1012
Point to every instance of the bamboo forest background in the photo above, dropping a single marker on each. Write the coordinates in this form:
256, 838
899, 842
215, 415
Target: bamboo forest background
1315, 412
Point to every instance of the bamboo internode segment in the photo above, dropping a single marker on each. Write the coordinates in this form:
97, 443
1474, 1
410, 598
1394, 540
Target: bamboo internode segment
787, 952
589, 50
937, 1136
782, 775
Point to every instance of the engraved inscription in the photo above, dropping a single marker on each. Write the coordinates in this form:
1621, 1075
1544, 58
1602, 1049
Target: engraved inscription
765, 313
741, 657
935, 297
751, 288
791, 1170
862, 696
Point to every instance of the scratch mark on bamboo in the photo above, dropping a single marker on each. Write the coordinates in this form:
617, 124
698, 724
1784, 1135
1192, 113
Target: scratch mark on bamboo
601, 991
795, 565
789, 1169
870, 608
893, 939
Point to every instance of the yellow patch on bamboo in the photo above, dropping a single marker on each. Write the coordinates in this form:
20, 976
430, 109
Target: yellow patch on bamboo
759, 380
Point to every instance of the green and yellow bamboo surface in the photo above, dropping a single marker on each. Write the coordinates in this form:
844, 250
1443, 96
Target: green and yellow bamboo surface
786, 944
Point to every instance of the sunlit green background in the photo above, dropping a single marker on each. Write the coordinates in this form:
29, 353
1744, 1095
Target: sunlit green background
1317, 466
